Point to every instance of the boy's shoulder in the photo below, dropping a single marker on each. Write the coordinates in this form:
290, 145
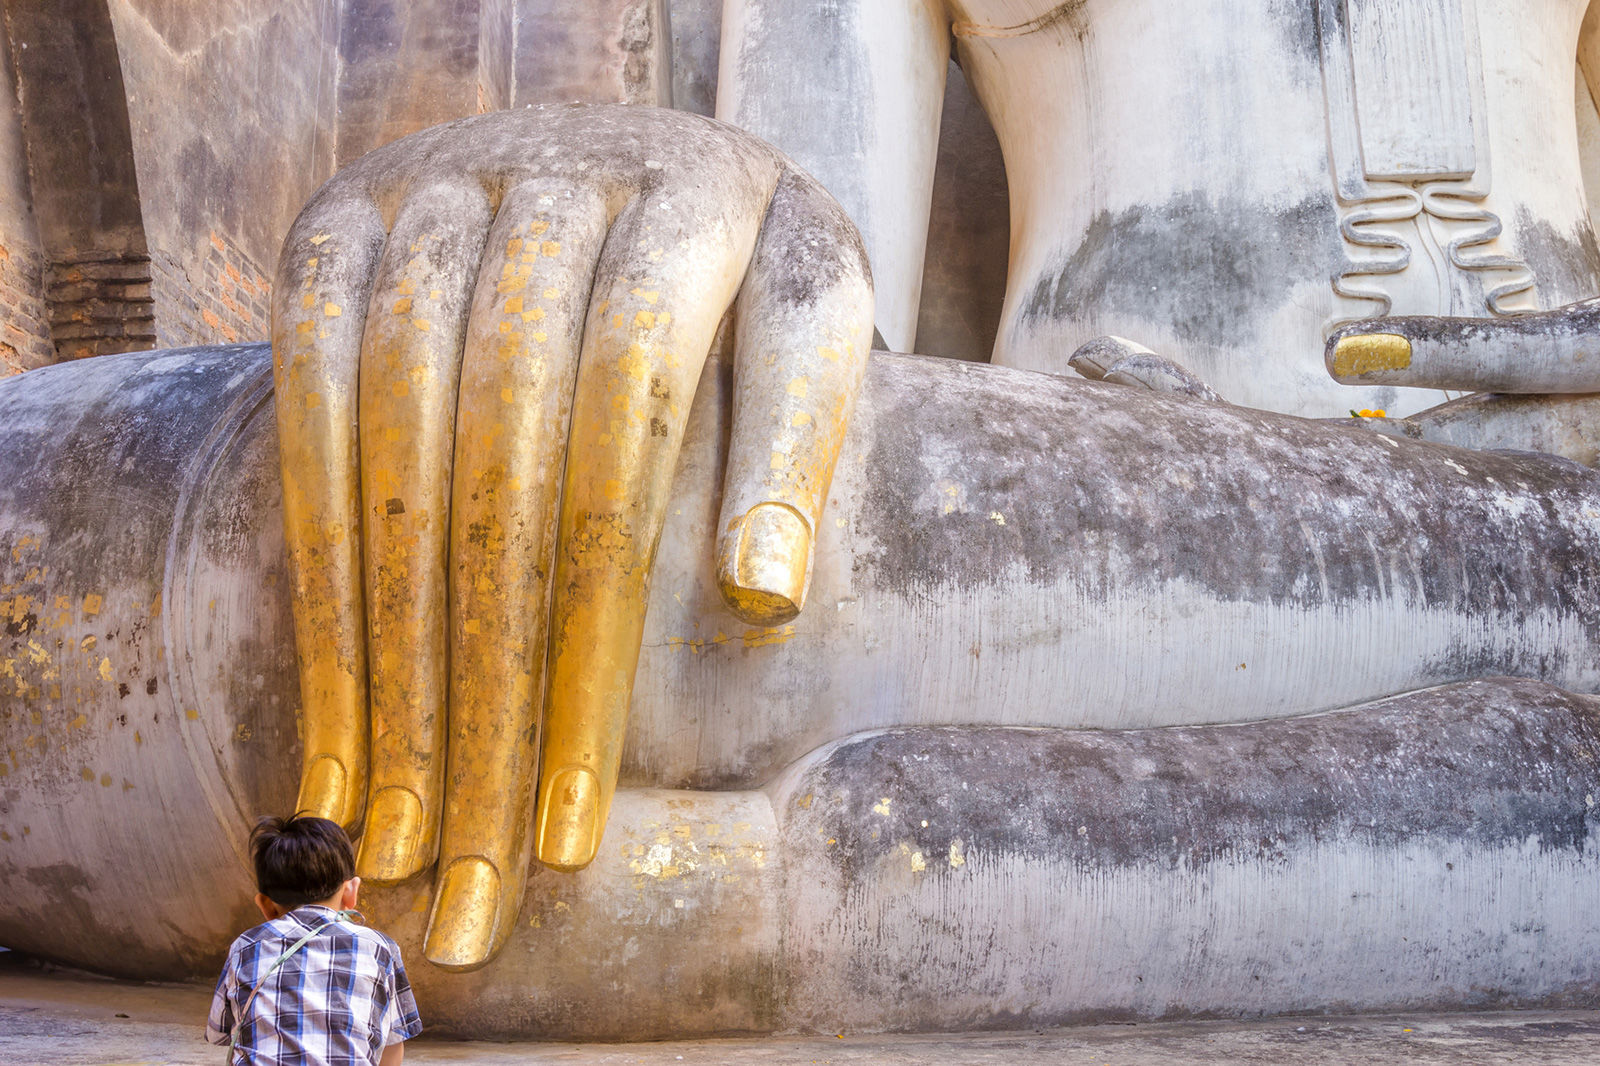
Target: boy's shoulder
291, 927
379, 943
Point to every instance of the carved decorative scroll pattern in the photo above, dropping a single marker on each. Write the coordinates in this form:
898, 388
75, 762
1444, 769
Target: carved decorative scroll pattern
1408, 144
1461, 201
1369, 222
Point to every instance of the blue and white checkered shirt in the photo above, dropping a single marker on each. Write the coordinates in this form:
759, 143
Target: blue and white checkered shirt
338, 1001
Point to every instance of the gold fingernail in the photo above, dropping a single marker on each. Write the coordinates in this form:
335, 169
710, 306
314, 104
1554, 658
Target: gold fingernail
389, 843
1363, 353
764, 580
466, 910
568, 819
322, 789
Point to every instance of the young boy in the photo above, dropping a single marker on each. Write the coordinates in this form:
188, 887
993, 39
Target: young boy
340, 998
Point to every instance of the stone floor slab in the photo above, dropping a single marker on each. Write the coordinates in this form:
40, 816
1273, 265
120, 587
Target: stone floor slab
56, 1018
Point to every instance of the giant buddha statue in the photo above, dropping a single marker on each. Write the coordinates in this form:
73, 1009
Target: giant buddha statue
688, 671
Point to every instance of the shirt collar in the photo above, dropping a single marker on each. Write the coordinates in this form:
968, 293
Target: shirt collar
311, 914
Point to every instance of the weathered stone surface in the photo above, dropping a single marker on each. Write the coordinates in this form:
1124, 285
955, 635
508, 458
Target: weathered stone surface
1568, 426
26, 339
1341, 859
232, 114
603, 52
405, 67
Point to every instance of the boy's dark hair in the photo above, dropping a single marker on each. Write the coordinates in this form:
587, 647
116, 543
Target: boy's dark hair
300, 859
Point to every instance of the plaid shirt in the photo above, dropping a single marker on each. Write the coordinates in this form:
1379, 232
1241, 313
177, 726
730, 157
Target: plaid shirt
338, 1001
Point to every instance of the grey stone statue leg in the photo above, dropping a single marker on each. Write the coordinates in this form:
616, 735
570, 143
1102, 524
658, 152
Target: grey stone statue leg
768, 852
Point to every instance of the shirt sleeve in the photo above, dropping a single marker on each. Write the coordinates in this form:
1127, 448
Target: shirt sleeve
400, 1018
219, 1026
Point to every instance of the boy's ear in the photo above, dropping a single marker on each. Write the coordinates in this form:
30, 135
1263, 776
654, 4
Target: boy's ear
347, 895
269, 910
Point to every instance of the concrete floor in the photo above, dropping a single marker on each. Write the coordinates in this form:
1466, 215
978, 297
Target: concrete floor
53, 1017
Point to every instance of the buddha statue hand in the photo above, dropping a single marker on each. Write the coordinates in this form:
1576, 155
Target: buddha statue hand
1548, 352
486, 340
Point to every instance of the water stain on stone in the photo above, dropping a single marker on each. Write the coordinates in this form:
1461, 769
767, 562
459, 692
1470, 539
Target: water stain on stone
1566, 266
1200, 265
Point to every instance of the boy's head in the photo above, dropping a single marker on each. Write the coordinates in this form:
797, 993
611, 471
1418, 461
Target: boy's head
300, 860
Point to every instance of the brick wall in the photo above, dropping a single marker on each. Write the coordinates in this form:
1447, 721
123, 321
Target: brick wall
226, 300
100, 305
24, 326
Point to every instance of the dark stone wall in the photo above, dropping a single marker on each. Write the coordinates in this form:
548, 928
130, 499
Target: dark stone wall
75, 117
84, 187
24, 320
969, 233
405, 65
696, 27
231, 105
602, 52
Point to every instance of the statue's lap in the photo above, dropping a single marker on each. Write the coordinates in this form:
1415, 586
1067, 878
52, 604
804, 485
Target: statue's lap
955, 871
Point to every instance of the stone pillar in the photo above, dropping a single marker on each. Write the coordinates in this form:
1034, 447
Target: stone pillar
25, 340
232, 107
85, 190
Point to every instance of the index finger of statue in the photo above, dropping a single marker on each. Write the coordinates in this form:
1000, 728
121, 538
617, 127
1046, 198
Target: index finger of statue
804, 325
669, 272
323, 282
